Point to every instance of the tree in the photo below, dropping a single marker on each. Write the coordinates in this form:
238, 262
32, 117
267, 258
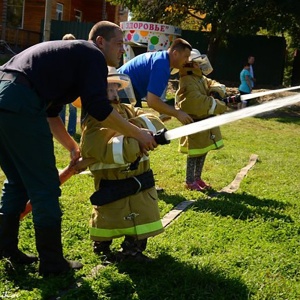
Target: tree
222, 18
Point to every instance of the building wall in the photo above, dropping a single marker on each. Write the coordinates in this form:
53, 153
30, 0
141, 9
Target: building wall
1, 9
34, 12
95, 11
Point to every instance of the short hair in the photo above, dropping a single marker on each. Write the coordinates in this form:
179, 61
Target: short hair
105, 29
69, 36
180, 45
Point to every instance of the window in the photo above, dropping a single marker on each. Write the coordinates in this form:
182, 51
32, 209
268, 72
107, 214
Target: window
15, 11
59, 11
78, 15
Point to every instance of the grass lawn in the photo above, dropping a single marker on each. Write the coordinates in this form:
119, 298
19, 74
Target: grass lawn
244, 245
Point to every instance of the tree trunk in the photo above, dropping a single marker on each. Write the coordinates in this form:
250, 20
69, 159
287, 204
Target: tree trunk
213, 46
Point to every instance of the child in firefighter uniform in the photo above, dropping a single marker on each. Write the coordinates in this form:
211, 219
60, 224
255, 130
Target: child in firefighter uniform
125, 202
197, 96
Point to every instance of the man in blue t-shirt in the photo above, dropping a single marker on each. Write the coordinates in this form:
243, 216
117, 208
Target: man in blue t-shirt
150, 72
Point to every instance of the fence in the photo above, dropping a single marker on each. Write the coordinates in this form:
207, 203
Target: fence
19, 39
269, 53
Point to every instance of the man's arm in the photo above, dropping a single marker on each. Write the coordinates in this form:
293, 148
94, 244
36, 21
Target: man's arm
157, 104
60, 133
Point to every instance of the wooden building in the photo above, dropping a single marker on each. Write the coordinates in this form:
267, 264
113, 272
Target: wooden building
21, 21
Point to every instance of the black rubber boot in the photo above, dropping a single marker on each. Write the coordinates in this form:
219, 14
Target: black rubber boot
49, 247
9, 232
133, 245
102, 248
132, 250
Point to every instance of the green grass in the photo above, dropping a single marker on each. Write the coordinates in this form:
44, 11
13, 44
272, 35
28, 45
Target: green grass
236, 246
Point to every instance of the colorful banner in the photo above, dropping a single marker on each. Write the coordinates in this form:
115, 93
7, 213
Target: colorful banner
152, 36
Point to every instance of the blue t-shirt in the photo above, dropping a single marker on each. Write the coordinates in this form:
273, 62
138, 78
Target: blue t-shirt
244, 87
149, 72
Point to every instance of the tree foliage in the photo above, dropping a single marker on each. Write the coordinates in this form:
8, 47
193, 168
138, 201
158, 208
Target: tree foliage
222, 18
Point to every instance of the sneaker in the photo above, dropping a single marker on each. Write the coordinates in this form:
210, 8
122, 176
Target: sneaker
203, 185
193, 186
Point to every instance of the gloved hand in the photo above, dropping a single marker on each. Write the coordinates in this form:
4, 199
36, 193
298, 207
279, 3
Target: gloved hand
232, 99
160, 137
216, 95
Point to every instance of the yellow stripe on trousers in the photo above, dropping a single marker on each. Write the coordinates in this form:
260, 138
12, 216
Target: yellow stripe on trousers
135, 230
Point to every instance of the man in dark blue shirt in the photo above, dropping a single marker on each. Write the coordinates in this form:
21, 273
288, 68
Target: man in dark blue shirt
34, 85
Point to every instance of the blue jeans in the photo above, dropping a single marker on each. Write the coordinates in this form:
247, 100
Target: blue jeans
72, 118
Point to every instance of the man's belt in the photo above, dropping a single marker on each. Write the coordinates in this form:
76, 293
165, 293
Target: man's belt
16, 77
113, 190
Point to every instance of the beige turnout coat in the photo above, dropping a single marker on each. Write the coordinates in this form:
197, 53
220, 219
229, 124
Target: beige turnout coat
193, 97
136, 215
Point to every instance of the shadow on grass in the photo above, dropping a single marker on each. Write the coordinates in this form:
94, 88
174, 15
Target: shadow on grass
285, 115
66, 286
287, 120
238, 206
243, 207
171, 199
167, 279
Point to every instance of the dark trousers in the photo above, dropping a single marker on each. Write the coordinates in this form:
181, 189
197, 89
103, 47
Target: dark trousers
27, 156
